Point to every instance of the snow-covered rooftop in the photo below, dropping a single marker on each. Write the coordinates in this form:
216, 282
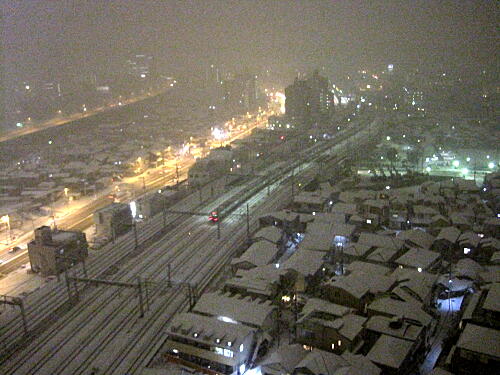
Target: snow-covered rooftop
368, 268
319, 305
208, 329
492, 301
382, 254
396, 308
418, 258
356, 249
417, 237
406, 331
273, 234
251, 285
345, 208
258, 254
390, 351
480, 340
243, 310
305, 262
376, 240
450, 234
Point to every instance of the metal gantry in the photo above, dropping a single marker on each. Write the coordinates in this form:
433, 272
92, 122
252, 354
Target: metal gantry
16, 301
75, 280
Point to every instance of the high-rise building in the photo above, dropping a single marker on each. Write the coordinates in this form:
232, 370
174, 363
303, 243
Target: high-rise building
213, 78
140, 66
321, 96
309, 100
240, 93
297, 104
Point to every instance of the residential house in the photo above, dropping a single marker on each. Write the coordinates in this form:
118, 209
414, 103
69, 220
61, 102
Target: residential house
477, 351
318, 362
233, 308
419, 259
310, 202
209, 345
358, 288
416, 238
491, 227
392, 354
302, 266
446, 241
258, 254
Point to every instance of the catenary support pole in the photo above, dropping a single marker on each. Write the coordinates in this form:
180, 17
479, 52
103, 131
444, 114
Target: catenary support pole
141, 302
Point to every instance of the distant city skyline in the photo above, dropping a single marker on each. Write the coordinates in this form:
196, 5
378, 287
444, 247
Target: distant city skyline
47, 40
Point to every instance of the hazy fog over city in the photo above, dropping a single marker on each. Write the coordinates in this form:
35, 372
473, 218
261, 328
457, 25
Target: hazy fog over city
249, 187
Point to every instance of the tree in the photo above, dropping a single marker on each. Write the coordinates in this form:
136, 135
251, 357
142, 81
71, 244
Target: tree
392, 155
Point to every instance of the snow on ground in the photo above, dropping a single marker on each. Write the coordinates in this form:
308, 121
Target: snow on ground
20, 282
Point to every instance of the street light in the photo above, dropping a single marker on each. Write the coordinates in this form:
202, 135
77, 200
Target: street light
456, 163
491, 165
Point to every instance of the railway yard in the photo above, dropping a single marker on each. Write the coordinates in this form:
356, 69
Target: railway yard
152, 274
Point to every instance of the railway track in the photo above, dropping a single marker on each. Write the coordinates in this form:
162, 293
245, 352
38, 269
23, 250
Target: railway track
56, 297
109, 317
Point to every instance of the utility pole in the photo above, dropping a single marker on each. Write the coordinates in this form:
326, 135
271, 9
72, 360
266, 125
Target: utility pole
248, 223
135, 234
475, 167
295, 312
218, 223
164, 214
139, 291
169, 274
177, 175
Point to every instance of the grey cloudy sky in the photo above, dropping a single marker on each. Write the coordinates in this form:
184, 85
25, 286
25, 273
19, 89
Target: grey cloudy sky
49, 38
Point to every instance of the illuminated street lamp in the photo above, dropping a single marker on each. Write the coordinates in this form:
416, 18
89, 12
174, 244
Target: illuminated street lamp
465, 171
456, 163
491, 165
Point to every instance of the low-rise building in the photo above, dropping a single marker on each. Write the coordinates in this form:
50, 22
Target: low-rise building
391, 354
483, 308
477, 351
447, 240
419, 259
259, 253
357, 289
53, 251
113, 220
209, 344
319, 330
237, 309
416, 238
310, 202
